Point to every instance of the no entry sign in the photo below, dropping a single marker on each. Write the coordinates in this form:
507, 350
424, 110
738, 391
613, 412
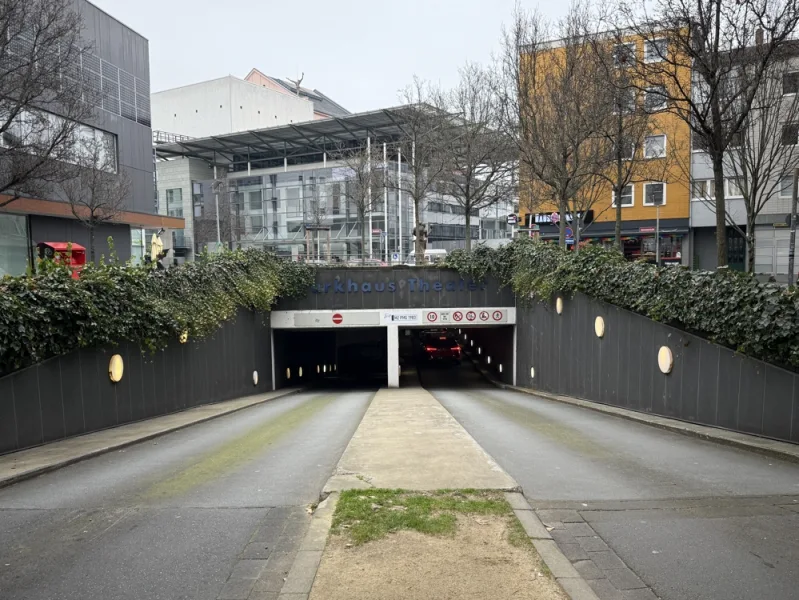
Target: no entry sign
337, 318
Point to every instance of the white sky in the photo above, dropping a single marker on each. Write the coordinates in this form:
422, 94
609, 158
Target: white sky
358, 52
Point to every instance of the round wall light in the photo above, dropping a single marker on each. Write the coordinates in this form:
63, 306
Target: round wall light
116, 368
255, 377
599, 327
184, 337
318, 369
665, 360
288, 373
488, 360
324, 369
479, 351
472, 343
300, 372
500, 368
532, 372
559, 306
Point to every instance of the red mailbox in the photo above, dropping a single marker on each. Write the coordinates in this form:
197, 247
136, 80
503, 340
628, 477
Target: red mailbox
70, 254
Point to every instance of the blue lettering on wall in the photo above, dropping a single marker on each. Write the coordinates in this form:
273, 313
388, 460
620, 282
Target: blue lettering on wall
414, 285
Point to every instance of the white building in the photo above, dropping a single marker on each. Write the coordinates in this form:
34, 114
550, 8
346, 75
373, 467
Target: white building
226, 105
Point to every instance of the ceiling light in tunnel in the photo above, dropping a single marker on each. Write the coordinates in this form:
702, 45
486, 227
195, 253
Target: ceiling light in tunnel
288, 373
488, 360
318, 369
300, 372
479, 350
324, 369
500, 368
472, 343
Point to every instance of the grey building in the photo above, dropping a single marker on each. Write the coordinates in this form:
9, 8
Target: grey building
118, 67
281, 188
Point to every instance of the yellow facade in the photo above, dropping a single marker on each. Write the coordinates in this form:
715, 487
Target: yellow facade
673, 170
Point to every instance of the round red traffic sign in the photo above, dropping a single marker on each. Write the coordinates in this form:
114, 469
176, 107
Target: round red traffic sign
484, 315
337, 318
497, 315
470, 316
432, 317
457, 315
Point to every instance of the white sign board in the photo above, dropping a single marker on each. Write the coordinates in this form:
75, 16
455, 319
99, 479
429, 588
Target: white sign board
401, 317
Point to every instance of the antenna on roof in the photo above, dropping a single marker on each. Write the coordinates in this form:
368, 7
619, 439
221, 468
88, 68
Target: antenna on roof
297, 82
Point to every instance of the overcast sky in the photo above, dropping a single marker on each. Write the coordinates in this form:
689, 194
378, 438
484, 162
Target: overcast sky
358, 52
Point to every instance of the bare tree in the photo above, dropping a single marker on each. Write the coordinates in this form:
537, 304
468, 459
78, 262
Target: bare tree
555, 106
95, 190
480, 159
316, 216
44, 96
420, 123
363, 187
706, 59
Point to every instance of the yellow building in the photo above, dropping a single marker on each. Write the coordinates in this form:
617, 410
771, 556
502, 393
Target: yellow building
660, 171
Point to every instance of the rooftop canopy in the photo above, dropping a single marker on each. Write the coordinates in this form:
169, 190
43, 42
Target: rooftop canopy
298, 143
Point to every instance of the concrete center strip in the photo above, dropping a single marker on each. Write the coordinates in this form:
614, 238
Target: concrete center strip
25, 464
408, 440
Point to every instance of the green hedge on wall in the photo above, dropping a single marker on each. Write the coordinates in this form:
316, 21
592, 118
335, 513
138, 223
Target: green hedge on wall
727, 307
49, 314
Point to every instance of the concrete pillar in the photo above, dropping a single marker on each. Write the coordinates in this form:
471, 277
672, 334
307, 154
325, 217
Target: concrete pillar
393, 356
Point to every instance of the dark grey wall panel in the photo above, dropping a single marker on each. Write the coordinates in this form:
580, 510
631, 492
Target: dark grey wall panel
402, 287
72, 394
54, 229
708, 384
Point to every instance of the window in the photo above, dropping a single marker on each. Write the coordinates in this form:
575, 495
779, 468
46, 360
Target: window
786, 187
655, 50
702, 189
790, 134
733, 188
624, 54
655, 146
627, 198
790, 83
655, 98
256, 201
625, 101
697, 142
13, 245
654, 194
627, 150
174, 202
257, 223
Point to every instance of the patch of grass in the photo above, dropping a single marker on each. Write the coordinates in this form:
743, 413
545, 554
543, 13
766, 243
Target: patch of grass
517, 536
371, 514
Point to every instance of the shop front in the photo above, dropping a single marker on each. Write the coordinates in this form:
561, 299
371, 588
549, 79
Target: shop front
638, 238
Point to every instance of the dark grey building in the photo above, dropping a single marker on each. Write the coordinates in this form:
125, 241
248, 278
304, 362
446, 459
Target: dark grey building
118, 67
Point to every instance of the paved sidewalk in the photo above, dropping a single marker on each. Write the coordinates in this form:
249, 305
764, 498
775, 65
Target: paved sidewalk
55, 455
408, 440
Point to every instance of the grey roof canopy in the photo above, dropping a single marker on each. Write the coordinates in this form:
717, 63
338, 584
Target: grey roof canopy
298, 143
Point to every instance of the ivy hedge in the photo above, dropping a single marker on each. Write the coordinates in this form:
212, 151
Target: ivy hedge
49, 314
727, 307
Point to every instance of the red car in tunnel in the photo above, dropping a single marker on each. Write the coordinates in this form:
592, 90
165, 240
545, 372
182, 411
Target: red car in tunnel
439, 348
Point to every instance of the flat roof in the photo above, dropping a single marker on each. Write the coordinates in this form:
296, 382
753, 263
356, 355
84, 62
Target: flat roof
290, 141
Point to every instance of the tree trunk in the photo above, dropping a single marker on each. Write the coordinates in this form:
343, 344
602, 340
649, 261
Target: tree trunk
750, 243
363, 237
721, 210
91, 242
562, 209
619, 167
468, 230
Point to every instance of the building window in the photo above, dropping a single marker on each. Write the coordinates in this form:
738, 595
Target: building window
734, 189
256, 201
13, 245
655, 98
790, 83
174, 202
655, 50
625, 101
702, 189
627, 196
790, 134
786, 187
654, 194
627, 149
257, 223
655, 146
624, 54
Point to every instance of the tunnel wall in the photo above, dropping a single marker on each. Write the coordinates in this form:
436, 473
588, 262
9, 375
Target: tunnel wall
709, 384
307, 349
72, 394
496, 342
